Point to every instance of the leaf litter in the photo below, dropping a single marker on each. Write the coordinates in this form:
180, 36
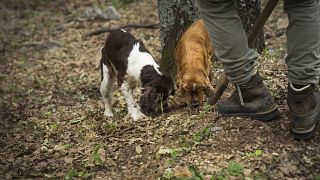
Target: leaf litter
52, 123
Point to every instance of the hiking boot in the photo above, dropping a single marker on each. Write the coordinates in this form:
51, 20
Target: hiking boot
251, 99
304, 106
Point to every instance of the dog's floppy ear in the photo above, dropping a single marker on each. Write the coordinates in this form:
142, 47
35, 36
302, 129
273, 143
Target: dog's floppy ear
149, 101
180, 91
165, 85
148, 74
183, 83
146, 89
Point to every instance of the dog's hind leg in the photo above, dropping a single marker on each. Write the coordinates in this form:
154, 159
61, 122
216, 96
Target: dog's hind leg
106, 88
133, 107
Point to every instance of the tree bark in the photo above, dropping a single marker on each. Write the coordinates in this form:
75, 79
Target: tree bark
176, 15
249, 11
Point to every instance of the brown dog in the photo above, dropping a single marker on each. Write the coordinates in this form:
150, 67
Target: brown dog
193, 54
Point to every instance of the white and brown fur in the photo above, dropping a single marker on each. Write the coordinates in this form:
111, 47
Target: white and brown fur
126, 59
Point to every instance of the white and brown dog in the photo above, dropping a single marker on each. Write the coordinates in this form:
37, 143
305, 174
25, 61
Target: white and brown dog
128, 60
193, 54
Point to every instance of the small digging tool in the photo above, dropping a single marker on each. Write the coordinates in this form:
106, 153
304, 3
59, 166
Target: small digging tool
256, 29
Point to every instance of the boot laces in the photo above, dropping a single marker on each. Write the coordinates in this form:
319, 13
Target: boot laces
240, 95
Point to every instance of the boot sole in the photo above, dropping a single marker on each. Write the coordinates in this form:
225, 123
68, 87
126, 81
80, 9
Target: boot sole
265, 116
305, 136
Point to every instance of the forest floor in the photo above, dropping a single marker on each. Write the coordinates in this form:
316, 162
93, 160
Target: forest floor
51, 112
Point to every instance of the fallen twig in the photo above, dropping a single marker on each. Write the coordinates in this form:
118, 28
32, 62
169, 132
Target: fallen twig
127, 26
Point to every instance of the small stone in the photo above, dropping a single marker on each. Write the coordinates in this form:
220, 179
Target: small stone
138, 149
109, 13
47, 45
215, 128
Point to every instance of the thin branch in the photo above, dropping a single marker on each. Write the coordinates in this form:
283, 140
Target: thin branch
127, 26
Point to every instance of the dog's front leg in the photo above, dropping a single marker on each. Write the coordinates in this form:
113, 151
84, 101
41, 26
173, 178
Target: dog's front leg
133, 108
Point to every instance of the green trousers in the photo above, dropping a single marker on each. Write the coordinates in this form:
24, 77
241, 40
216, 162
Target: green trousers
231, 46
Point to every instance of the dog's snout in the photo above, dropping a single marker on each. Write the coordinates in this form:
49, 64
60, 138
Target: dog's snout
195, 103
193, 93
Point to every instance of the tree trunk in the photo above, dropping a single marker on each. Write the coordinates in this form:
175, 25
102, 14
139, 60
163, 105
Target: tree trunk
249, 11
176, 15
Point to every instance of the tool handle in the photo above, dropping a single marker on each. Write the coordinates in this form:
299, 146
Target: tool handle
218, 91
258, 25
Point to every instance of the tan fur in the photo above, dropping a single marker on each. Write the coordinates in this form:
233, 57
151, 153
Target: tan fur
193, 55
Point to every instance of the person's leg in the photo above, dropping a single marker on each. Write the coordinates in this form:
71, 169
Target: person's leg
303, 61
303, 35
229, 40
